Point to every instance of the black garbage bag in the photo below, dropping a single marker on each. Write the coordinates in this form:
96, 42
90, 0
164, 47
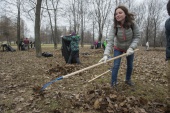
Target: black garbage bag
66, 51
47, 54
7, 47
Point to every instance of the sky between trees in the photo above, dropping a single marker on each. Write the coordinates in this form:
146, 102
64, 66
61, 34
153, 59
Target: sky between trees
147, 12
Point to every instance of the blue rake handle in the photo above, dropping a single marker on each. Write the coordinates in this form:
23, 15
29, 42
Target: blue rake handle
73, 73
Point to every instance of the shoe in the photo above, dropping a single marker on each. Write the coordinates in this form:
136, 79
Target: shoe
129, 82
114, 84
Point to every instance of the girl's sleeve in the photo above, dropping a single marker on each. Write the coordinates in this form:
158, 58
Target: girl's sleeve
136, 36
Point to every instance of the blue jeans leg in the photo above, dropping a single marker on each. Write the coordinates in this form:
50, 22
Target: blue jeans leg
116, 66
129, 66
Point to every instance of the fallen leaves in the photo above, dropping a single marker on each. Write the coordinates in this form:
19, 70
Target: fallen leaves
23, 76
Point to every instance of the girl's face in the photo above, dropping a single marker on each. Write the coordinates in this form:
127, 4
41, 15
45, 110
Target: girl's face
120, 15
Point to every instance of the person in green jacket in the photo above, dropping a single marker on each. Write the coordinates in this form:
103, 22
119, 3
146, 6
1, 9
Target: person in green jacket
104, 44
74, 45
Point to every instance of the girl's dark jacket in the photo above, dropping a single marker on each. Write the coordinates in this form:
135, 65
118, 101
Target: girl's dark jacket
167, 31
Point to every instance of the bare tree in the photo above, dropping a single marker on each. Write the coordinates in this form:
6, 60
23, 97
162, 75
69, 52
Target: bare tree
82, 26
5, 27
51, 25
37, 29
152, 22
72, 11
140, 16
54, 8
102, 9
74, 15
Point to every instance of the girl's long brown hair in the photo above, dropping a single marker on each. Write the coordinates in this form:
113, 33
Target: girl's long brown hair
128, 19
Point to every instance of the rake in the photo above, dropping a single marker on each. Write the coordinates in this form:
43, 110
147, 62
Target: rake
73, 73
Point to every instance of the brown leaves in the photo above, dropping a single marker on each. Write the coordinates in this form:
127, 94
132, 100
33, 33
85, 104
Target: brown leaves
97, 103
22, 71
63, 70
112, 102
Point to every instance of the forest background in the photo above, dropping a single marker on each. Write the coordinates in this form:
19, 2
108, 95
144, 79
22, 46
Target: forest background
91, 19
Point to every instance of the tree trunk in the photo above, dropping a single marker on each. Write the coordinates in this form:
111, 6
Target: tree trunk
147, 30
154, 33
37, 29
52, 31
93, 32
55, 30
100, 33
18, 24
74, 16
82, 26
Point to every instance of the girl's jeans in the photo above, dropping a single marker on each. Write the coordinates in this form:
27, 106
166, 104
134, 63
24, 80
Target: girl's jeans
117, 65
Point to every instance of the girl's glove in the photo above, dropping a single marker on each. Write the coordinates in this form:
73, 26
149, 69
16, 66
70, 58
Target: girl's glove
103, 59
130, 51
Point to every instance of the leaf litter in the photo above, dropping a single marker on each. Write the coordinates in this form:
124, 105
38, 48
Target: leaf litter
22, 76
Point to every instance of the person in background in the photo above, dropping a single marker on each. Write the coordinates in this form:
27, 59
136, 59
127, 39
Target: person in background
21, 45
31, 44
74, 47
167, 32
96, 44
26, 42
4, 46
104, 44
123, 37
147, 46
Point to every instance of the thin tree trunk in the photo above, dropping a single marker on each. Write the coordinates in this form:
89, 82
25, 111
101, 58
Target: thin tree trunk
93, 32
55, 30
18, 24
154, 34
82, 26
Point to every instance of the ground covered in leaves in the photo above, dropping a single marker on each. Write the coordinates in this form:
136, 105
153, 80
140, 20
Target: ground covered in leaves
22, 75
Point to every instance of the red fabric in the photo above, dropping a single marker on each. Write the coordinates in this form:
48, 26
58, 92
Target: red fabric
119, 49
26, 41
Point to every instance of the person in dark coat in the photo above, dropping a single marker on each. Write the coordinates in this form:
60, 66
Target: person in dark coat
167, 32
74, 44
21, 45
26, 42
31, 44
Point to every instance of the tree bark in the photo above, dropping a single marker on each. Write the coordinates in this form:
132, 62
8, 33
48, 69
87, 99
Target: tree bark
82, 26
37, 29
18, 24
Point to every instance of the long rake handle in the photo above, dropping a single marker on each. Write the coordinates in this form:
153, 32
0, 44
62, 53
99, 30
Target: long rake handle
66, 76
99, 76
